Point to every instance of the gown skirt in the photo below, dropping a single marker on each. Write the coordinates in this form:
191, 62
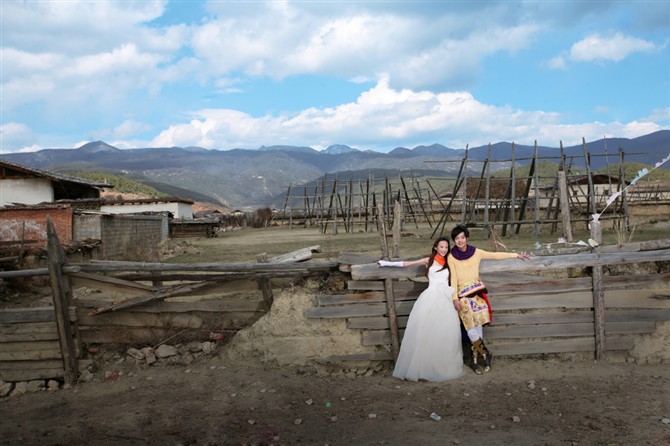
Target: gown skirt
431, 348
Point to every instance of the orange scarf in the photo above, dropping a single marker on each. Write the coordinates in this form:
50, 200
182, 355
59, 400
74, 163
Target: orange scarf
439, 259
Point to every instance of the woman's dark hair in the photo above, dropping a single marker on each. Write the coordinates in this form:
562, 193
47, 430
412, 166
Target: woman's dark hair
434, 253
457, 230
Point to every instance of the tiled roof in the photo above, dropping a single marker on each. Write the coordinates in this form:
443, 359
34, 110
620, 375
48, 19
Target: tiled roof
50, 175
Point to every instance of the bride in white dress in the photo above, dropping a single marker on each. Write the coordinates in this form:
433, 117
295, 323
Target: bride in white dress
431, 348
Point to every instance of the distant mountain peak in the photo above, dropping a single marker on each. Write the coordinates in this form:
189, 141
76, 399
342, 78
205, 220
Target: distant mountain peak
337, 149
287, 149
97, 147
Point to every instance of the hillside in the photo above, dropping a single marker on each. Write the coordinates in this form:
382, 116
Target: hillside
260, 178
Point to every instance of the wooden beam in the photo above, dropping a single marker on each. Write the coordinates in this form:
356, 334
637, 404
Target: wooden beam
371, 272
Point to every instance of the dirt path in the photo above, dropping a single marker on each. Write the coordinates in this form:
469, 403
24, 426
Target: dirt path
220, 401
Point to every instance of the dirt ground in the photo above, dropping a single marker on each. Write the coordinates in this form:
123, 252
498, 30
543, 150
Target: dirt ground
230, 400
258, 389
262, 388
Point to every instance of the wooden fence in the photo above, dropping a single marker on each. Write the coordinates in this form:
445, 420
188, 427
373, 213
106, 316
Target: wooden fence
136, 303
151, 303
531, 314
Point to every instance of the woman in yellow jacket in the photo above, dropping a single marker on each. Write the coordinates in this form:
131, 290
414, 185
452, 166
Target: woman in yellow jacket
470, 299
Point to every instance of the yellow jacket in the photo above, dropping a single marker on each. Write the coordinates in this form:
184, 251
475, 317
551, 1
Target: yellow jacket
464, 272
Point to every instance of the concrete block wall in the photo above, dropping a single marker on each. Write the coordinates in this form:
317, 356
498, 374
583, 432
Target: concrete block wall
131, 237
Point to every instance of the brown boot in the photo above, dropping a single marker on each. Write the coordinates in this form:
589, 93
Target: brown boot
482, 354
474, 360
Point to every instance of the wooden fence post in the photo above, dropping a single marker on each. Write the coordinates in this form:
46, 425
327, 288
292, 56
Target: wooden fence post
264, 284
388, 289
598, 295
565, 205
62, 297
397, 223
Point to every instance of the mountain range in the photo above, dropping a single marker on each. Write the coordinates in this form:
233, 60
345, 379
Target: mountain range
248, 179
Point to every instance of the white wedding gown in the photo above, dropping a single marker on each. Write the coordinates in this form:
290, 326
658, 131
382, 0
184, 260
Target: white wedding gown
431, 347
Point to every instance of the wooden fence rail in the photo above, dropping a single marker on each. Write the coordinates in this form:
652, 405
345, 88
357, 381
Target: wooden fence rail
532, 314
134, 302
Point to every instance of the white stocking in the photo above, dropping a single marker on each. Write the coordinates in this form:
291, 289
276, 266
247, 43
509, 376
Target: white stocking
475, 333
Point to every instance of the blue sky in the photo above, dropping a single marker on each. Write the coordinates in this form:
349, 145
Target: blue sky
369, 74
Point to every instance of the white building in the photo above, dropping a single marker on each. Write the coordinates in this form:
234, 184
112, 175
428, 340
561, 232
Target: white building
27, 186
180, 208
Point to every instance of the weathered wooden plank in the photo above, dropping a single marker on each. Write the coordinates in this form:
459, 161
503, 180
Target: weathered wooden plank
553, 317
639, 298
372, 285
340, 299
373, 272
565, 330
31, 374
380, 322
212, 305
637, 246
109, 266
37, 314
354, 258
503, 348
376, 285
99, 281
25, 355
583, 299
142, 299
342, 311
154, 335
127, 319
29, 331
537, 287
576, 299
637, 315
298, 255
29, 370
370, 296
28, 327
572, 345
561, 317
25, 346
548, 286
28, 365
374, 322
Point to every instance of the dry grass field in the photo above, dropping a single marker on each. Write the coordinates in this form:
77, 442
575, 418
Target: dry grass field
243, 245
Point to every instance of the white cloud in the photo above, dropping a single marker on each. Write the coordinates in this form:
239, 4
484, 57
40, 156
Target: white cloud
14, 134
556, 63
614, 48
382, 118
412, 51
127, 129
67, 25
